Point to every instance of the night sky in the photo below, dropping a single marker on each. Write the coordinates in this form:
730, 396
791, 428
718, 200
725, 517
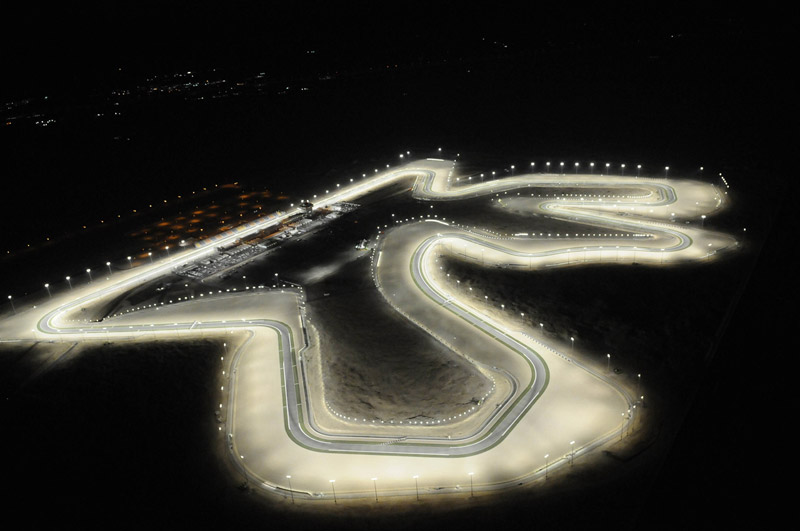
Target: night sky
666, 84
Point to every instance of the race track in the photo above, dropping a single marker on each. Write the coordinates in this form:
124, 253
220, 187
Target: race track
544, 403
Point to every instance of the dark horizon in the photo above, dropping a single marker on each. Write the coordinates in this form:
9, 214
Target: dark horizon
76, 48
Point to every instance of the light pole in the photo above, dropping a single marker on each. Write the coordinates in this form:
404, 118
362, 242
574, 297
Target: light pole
623, 170
548, 166
577, 164
666, 171
89, 271
703, 222
591, 168
545, 465
108, 265
572, 348
638, 169
416, 485
541, 328
375, 486
11, 300
561, 167
69, 281
130, 264
333, 486
167, 249
47, 287
471, 489
291, 492
244, 472
638, 382
608, 362
150, 254
608, 168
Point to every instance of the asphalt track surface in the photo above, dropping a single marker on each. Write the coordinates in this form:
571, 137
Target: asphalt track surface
430, 183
